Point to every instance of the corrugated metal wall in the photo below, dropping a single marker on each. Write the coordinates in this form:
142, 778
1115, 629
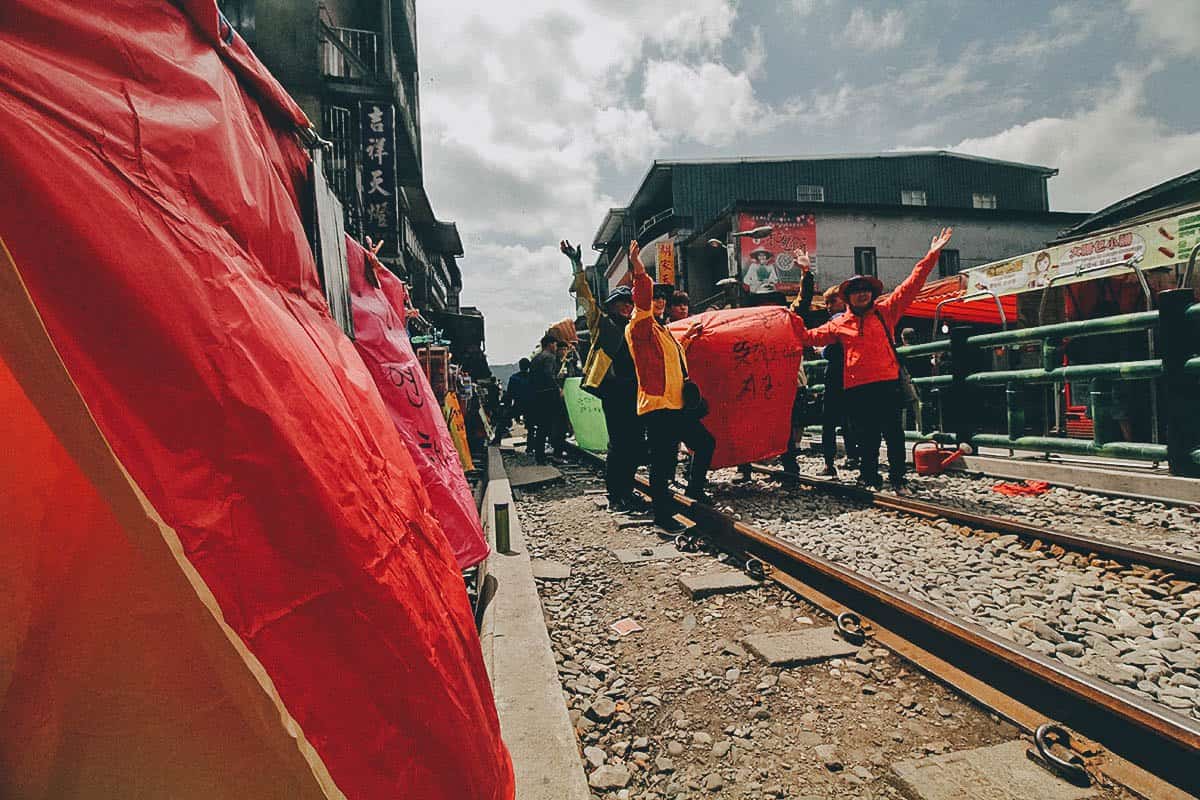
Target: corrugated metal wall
702, 190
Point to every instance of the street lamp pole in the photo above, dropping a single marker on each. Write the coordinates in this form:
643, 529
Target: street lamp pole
733, 263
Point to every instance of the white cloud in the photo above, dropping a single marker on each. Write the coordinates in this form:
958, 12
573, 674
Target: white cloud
683, 26
529, 284
707, 103
871, 32
806, 7
525, 108
1105, 151
1172, 24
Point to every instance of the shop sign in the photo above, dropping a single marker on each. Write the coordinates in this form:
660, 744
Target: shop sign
666, 262
381, 207
1151, 245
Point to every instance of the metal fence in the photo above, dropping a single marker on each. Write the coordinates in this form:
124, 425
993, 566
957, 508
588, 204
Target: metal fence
350, 53
958, 392
341, 164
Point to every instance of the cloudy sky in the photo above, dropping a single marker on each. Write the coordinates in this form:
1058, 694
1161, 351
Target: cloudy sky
539, 115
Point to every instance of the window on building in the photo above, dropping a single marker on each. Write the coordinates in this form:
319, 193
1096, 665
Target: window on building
947, 263
864, 261
912, 197
983, 200
810, 194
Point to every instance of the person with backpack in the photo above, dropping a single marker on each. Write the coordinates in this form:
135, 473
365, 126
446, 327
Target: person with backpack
669, 405
874, 379
609, 374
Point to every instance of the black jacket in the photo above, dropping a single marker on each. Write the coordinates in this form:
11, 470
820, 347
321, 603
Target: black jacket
612, 340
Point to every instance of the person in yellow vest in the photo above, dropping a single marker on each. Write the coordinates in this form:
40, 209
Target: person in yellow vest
660, 363
608, 374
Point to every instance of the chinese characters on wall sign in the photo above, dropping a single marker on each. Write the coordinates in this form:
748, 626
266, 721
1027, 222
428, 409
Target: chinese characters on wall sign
381, 210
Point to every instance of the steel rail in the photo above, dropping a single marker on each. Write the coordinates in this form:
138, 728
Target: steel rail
1150, 748
1180, 565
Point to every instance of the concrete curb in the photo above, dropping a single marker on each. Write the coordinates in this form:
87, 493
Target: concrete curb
1089, 478
520, 662
1084, 476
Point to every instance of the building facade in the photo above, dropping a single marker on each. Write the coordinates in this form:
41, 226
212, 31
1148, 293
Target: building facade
870, 214
352, 67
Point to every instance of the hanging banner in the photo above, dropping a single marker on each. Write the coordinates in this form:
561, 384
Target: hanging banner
587, 417
767, 263
1151, 245
746, 364
458, 429
666, 262
381, 209
241, 482
379, 300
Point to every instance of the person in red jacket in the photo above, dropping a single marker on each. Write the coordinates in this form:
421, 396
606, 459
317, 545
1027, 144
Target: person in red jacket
661, 366
871, 375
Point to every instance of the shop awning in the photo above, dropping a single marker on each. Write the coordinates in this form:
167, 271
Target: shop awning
981, 311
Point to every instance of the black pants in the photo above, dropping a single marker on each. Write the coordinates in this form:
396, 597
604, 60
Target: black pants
874, 410
664, 431
833, 416
626, 439
545, 412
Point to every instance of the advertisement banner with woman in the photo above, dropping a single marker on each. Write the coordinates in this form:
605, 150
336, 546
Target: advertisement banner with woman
1151, 245
767, 263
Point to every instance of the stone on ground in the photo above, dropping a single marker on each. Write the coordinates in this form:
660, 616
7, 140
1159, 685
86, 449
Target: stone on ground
639, 555
700, 586
547, 570
799, 647
1001, 770
532, 476
609, 777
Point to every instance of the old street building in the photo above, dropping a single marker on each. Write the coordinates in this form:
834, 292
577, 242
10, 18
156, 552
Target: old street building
866, 214
352, 67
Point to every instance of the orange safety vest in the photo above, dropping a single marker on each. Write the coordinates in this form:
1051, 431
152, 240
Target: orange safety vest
658, 359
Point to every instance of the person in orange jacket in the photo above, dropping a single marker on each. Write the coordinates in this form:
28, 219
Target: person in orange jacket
871, 376
661, 366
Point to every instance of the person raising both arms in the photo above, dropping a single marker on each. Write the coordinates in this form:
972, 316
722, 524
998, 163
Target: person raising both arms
873, 395
660, 363
609, 375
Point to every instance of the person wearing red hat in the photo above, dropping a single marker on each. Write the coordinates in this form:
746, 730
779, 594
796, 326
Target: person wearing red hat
873, 394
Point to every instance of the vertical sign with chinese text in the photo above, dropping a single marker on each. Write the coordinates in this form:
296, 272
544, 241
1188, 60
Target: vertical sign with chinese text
381, 209
666, 262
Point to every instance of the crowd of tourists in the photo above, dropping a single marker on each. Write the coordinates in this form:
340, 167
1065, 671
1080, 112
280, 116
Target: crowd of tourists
639, 370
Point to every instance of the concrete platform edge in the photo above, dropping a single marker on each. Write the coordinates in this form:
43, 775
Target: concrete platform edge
520, 663
1114, 480
1117, 482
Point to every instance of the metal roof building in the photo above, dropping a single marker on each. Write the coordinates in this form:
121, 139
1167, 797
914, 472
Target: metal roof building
885, 199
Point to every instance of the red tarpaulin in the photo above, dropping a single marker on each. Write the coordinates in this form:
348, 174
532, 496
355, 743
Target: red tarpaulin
746, 364
982, 311
151, 202
378, 299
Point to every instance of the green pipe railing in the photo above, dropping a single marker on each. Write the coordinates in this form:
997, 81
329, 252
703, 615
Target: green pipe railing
1176, 330
1120, 323
927, 348
1121, 370
1133, 451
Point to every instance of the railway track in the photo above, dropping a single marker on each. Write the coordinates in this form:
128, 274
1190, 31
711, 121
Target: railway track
1177, 564
1109, 729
